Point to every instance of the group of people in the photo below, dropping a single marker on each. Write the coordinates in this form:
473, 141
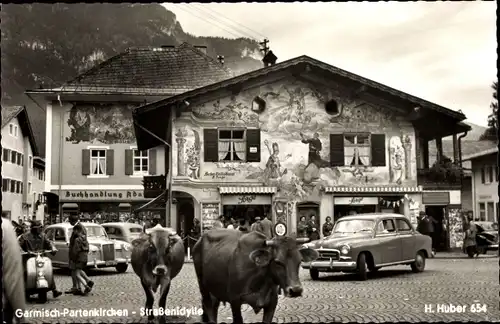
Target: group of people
14, 262
262, 225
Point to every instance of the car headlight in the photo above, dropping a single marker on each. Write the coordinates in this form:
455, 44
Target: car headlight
345, 249
40, 264
93, 249
126, 246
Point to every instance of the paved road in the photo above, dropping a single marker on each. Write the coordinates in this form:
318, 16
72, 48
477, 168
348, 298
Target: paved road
392, 295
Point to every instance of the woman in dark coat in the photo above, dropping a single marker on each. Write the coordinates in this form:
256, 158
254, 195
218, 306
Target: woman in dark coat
80, 257
312, 229
302, 227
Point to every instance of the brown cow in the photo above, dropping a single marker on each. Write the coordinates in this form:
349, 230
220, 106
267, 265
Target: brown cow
240, 268
157, 257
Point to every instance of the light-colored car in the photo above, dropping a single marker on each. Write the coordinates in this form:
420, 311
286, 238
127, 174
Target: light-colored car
103, 252
368, 242
123, 231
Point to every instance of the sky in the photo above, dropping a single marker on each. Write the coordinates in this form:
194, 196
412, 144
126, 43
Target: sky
444, 52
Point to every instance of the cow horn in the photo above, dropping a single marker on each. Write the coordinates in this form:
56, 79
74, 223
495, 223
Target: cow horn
302, 240
270, 243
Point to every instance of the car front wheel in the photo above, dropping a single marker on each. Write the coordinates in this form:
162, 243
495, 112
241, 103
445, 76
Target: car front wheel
362, 270
314, 274
122, 267
419, 264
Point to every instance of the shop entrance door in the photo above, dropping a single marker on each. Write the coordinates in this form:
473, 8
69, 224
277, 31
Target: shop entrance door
185, 215
306, 211
439, 238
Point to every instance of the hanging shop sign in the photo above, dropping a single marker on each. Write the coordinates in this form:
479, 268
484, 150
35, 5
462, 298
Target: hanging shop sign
280, 229
101, 195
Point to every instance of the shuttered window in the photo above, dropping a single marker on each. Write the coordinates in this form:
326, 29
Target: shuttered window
491, 173
378, 150
336, 150
98, 162
129, 162
85, 162
5, 185
211, 147
13, 156
357, 149
253, 145
5, 155
110, 162
483, 175
13, 186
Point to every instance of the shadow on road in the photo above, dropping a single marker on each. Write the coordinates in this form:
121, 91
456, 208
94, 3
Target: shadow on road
381, 274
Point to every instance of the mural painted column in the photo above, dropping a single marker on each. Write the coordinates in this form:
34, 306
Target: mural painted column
181, 140
407, 146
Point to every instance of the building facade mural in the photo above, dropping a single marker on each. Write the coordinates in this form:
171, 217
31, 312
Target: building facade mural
294, 141
99, 123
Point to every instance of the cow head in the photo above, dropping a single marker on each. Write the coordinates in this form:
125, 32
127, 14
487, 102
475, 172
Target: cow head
282, 257
161, 240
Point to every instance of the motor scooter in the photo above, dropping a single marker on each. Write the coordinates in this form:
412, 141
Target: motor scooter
39, 277
484, 242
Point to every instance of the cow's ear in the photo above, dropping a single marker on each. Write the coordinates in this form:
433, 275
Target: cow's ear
260, 257
308, 254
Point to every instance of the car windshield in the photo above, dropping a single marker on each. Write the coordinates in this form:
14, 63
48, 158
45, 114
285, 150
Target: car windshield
488, 226
353, 226
92, 231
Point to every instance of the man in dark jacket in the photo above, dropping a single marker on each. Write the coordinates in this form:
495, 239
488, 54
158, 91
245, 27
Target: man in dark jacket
74, 220
267, 227
35, 241
426, 227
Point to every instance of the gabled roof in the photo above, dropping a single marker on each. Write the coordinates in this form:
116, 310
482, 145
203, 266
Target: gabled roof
305, 60
484, 152
167, 70
19, 112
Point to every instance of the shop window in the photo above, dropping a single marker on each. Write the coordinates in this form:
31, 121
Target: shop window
357, 149
482, 211
232, 145
97, 162
141, 162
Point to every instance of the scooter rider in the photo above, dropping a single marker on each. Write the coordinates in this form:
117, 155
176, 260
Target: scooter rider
34, 241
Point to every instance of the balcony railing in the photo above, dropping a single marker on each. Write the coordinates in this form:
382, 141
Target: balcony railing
154, 185
432, 179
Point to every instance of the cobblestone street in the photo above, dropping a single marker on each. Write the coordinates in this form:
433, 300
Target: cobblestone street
394, 294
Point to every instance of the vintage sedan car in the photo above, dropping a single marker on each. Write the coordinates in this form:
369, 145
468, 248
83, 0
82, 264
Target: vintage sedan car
368, 242
123, 231
103, 252
491, 231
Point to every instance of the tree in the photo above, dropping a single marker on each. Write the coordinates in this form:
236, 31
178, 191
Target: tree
491, 134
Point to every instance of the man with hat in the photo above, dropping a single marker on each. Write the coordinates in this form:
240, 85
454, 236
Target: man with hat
426, 227
34, 241
257, 226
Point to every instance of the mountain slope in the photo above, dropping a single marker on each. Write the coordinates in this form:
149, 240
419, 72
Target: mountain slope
45, 45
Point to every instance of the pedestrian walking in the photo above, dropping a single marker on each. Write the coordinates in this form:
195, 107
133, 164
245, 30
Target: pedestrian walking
13, 297
426, 227
327, 227
312, 229
74, 220
80, 255
257, 226
267, 227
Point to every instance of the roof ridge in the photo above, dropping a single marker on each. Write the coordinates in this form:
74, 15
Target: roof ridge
19, 109
207, 57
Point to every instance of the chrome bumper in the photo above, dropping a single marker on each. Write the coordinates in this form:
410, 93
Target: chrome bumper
101, 264
339, 265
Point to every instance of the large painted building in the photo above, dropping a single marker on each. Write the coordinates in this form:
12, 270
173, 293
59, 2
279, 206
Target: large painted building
484, 167
93, 164
21, 166
302, 138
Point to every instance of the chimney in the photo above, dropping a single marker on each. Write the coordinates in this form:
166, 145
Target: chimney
202, 48
269, 59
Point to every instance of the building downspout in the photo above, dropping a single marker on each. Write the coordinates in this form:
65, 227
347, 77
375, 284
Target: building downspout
61, 154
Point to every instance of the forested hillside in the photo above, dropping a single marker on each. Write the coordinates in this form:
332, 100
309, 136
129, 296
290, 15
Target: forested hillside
45, 45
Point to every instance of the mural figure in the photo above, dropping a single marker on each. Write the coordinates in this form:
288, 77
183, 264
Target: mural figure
193, 157
79, 125
397, 159
108, 124
180, 139
407, 146
273, 167
188, 152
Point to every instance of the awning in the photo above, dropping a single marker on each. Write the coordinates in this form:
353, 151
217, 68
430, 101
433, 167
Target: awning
70, 205
373, 189
153, 202
247, 190
124, 205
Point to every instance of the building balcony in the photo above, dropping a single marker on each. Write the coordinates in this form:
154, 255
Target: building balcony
154, 186
439, 179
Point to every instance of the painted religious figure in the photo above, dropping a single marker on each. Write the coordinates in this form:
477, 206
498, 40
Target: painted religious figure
397, 159
273, 166
79, 124
315, 148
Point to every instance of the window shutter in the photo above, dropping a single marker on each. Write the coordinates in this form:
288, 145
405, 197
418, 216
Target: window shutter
152, 162
253, 142
336, 150
211, 145
22, 159
491, 173
110, 162
85, 162
483, 175
378, 150
129, 162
